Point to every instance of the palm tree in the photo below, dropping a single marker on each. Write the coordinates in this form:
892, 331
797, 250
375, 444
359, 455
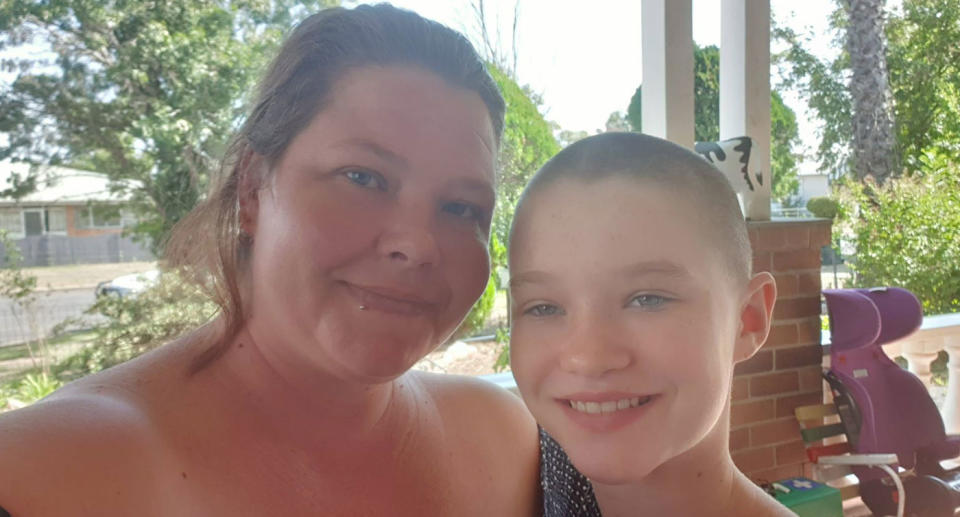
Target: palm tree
873, 131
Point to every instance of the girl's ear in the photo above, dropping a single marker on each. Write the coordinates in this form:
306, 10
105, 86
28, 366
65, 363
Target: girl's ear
249, 182
756, 315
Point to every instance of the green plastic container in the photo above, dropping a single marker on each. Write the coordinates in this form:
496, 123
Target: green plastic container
808, 498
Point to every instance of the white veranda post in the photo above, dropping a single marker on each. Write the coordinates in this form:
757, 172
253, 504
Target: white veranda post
745, 89
667, 96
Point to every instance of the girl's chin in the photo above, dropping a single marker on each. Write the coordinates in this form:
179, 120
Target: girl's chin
613, 475
613, 467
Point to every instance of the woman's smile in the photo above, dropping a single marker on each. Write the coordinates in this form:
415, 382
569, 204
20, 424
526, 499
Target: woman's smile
392, 301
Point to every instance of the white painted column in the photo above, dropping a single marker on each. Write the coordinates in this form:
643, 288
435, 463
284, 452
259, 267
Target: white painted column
918, 362
745, 91
667, 96
951, 406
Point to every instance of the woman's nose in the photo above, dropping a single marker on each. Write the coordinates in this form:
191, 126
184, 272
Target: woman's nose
409, 242
595, 348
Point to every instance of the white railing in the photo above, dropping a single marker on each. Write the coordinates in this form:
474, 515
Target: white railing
920, 349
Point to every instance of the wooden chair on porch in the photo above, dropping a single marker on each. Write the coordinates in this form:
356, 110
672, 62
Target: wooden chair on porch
825, 439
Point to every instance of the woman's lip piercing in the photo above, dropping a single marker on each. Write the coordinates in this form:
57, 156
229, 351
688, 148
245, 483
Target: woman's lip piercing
363, 307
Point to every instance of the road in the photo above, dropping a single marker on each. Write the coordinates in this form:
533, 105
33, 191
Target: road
52, 307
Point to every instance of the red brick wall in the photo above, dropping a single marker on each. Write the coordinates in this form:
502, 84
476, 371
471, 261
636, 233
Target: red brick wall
785, 373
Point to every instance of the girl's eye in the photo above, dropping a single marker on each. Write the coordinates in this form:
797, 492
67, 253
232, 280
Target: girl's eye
542, 310
649, 301
464, 211
366, 179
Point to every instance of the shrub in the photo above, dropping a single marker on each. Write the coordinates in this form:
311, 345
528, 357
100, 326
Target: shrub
133, 325
907, 234
823, 207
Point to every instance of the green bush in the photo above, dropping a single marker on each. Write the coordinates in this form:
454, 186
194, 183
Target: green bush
824, 207
133, 325
907, 234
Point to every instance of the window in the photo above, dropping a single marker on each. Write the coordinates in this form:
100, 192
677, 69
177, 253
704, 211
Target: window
11, 221
105, 216
56, 220
98, 216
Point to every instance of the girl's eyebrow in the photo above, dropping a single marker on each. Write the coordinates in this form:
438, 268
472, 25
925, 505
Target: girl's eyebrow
656, 267
663, 268
531, 277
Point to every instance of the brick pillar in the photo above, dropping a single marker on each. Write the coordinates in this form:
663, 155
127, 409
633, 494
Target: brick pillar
785, 373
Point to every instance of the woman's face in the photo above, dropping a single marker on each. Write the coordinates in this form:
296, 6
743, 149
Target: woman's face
370, 238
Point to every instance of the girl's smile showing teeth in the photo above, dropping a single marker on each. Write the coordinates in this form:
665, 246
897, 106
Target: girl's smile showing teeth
607, 407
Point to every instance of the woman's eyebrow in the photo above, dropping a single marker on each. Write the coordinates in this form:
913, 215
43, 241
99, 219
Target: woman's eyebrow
373, 147
481, 187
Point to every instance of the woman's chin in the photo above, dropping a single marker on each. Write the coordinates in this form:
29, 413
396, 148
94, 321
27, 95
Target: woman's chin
378, 367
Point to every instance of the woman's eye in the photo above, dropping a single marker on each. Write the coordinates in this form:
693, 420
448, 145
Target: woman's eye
464, 211
649, 301
542, 310
366, 179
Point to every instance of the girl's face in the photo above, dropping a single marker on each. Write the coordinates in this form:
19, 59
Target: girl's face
624, 324
370, 238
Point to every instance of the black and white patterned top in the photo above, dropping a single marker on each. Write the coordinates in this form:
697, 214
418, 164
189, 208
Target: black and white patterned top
566, 492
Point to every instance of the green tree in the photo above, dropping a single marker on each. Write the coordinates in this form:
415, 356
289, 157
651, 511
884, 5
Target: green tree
924, 78
784, 132
924, 65
784, 136
822, 85
145, 92
527, 143
617, 121
906, 231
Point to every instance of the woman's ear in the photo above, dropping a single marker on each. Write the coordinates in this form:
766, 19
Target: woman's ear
756, 315
249, 181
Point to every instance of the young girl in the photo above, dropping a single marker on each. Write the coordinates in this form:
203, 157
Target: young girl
632, 300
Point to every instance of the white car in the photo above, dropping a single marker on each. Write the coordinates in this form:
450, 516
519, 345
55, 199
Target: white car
127, 285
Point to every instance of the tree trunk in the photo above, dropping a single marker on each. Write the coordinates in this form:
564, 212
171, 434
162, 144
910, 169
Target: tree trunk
873, 138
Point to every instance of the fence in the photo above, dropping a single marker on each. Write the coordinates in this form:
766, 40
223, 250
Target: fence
18, 325
57, 250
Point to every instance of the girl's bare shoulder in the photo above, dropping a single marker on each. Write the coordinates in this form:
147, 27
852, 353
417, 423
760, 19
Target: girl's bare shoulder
754, 501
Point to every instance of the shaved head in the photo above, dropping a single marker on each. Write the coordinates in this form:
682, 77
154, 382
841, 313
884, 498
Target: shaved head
664, 164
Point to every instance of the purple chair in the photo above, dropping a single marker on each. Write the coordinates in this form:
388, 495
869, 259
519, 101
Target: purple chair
884, 408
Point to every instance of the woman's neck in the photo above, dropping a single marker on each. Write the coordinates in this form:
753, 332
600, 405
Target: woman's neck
274, 393
701, 481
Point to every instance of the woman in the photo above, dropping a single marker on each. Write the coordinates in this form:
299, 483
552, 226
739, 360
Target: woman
346, 240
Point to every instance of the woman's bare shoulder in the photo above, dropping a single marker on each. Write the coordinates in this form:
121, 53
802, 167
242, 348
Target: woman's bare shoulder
88, 442
495, 439
477, 402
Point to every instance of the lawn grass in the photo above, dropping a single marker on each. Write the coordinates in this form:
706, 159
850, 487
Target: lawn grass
15, 363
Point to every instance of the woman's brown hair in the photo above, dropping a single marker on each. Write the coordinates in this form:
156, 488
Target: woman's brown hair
208, 245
